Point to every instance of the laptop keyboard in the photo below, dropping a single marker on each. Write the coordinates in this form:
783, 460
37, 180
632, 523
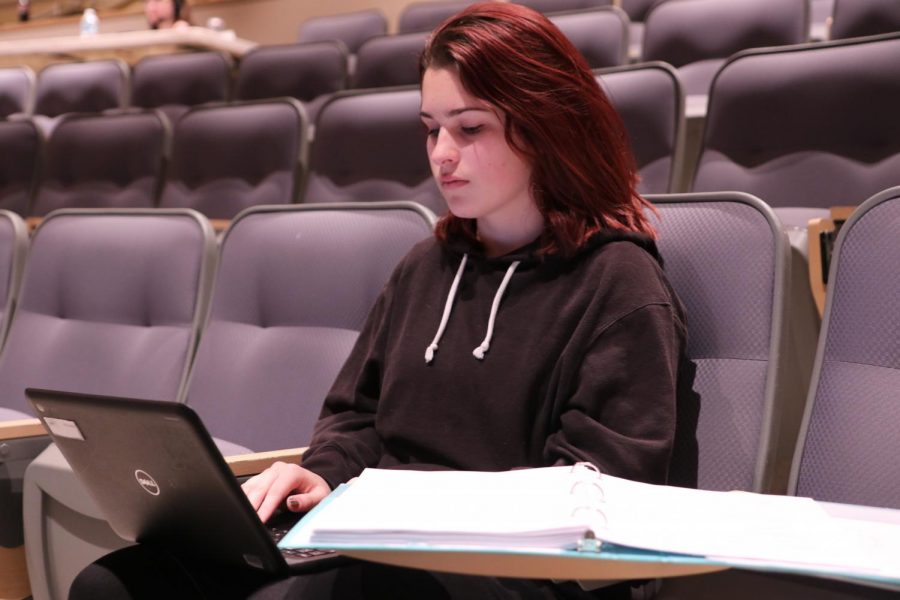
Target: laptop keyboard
279, 525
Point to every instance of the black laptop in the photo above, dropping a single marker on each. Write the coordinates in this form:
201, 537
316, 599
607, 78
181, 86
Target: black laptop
158, 478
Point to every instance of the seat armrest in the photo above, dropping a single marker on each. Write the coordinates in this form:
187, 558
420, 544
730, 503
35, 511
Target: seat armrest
243, 465
22, 428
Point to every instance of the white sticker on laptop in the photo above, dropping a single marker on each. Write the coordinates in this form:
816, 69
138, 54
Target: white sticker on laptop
63, 428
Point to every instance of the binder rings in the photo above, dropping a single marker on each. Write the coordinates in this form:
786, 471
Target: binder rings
578, 514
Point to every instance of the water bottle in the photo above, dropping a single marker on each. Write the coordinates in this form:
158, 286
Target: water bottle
90, 22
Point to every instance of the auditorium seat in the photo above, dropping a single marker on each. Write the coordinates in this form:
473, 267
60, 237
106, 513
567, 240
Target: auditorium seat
601, 35
727, 258
110, 304
307, 72
425, 16
227, 158
389, 60
91, 86
553, 6
175, 82
16, 91
856, 18
805, 127
850, 442
110, 161
370, 146
22, 144
352, 29
649, 99
293, 289
696, 36
13, 250
637, 9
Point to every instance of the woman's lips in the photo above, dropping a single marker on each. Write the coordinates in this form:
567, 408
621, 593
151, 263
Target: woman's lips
452, 182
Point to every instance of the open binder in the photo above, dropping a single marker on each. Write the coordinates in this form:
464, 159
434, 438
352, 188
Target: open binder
578, 514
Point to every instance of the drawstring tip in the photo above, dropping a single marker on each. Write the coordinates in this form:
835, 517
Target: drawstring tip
429, 353
480, 350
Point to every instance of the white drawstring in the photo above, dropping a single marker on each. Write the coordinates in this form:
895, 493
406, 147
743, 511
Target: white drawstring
486, 344
429, 352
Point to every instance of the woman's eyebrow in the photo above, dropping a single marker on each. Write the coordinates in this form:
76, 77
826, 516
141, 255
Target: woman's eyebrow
456, 111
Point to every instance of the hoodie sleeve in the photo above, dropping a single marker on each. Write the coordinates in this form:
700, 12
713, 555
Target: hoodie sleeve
621, 415
344, 439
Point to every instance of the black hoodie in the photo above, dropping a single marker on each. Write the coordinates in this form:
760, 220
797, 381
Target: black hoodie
585, 363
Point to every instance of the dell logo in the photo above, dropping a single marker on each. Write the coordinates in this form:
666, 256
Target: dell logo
148, 483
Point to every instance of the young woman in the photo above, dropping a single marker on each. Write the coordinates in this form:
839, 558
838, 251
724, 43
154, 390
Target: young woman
537, 328
164, 14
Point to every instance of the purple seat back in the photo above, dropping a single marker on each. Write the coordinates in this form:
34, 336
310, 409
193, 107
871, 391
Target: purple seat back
855, 18
600, 34
178, 81
16, 91
425, 16
389, 60
91, 86
352, 29
22, 144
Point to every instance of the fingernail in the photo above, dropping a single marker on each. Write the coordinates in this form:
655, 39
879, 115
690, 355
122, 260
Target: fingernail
292, 503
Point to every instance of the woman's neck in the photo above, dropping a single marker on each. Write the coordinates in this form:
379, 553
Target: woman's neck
502, 238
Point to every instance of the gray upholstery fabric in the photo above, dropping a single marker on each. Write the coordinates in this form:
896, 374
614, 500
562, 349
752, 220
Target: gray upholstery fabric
348, 161
21, 143
601, 35
301, 71
227, 158
854, 18
180, 80
688, 31
293, 290
107, 306
112, 161
389, 60
853, 428
649, 100
723, 256
425, 16
16, 90
352, 29
91, 86
637, 9
813, 126
551, 6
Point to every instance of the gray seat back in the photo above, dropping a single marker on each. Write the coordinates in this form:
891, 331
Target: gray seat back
600, 34
110, 161
227, 158
650, 101
425, 16
301, 71
293, 290
726, 257
352, 29
91, 86
13, 249
389, 60
856, 18
16, 91
22, 144
175, 82
347, 159
808, 126
110, 304
552, 6
850, 438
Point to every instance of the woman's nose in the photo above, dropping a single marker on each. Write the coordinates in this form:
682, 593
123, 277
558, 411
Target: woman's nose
444, 149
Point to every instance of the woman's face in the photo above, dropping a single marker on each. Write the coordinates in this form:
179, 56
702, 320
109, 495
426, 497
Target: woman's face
479, 174
159, 13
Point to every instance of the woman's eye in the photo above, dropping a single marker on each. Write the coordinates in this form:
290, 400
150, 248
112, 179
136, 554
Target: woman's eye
432, 131
471, 130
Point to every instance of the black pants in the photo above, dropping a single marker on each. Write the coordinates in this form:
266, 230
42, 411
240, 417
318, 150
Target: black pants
142, 573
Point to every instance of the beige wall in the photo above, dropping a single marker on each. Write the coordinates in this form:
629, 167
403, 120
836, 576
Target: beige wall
262, 21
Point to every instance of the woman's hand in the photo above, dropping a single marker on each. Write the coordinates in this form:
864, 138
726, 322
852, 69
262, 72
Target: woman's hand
301, 488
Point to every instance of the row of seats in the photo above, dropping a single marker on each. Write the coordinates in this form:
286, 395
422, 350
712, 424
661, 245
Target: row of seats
803, 127
223, 158
293, 286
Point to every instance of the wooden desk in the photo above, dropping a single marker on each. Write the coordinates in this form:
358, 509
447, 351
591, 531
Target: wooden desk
130, 46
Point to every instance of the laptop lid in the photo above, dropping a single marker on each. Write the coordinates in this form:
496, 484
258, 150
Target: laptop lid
156, 474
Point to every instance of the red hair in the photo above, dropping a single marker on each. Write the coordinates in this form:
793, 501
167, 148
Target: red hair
584, 175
